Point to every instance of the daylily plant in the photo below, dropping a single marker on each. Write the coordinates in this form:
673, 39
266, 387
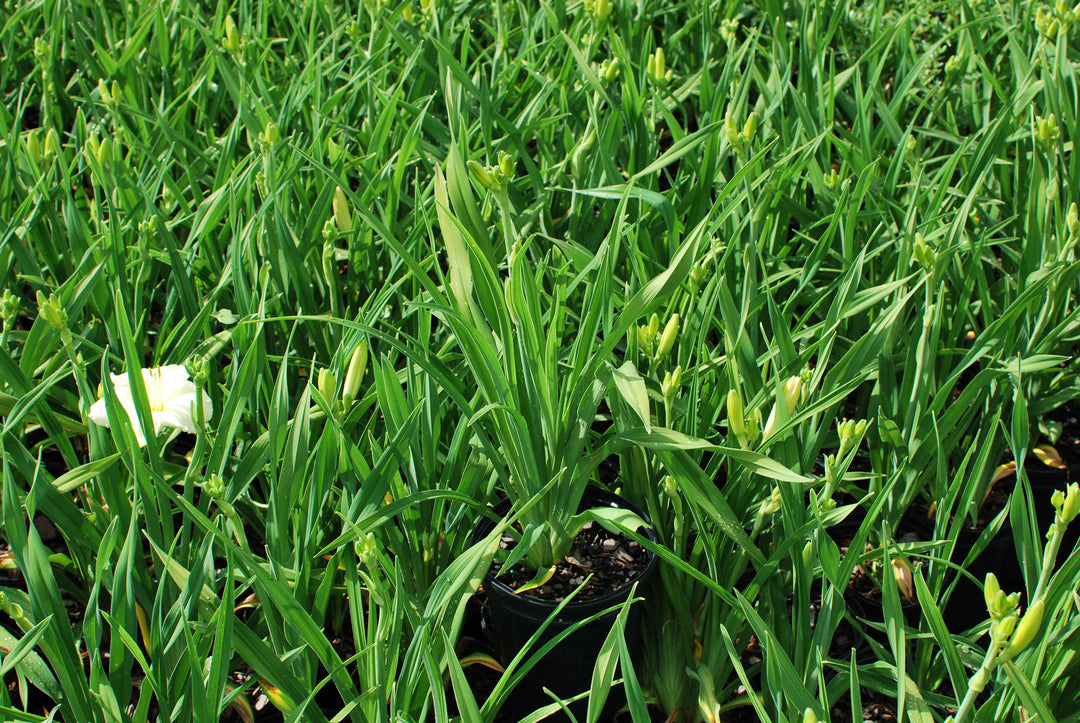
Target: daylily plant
172, 397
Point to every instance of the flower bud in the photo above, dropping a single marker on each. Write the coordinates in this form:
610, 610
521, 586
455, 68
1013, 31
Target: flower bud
327, 383
1067, 504
904, 577
357, 366
482, 175
654, 325
1027, 629
809, 716
736, 421
727, 30
231, 41
750, 128
669, 486
923, 253
342, 217
771, 504
270, 137
52, 145
366, 550
667, 339
609, 69
506, 166
598, 10
991, 590
53, 311
9, 308
33, 146
214, 486
1046, 129
645, 341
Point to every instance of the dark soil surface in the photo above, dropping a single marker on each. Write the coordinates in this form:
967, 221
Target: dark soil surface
611, 560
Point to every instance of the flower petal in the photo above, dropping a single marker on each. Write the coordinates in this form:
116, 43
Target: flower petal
98, 413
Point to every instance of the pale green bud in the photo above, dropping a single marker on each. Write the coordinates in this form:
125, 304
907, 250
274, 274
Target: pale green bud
656, 68
366, 550
599, 10
809, 716
342, 216
496, 177
9, 308
53, 148
327, 383
506, 166
33, 146
669, 486
924, 253
214, 486
771, 504
231, 41
53, 311
1027, 629
646, 341
728, 27
654, 325
1046, 129
667, 339
750, 128
357, 366
1072, 221
1066, 503
609, 69
269, 138
978, 681
736, 420
731, 132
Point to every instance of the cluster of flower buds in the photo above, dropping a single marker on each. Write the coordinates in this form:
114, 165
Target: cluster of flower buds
1047, 130
671, 384
1009, 632
924, 253
609, 69
851, 432
1058, 20
771, 504
653, 343
728, 27
1066, 505
269, 138
497, 177
740, 140
9, 308
599, 10
367, 552
657, 69
954, 65
354, 375
52, 309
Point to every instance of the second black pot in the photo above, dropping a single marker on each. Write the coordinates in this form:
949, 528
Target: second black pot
567, 669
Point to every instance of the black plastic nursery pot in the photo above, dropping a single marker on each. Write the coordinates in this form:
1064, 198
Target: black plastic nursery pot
567, 669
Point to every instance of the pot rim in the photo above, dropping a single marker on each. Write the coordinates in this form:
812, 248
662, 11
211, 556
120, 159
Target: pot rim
602, 498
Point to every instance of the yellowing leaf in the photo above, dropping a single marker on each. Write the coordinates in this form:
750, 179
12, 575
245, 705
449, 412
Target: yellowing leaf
1049, 456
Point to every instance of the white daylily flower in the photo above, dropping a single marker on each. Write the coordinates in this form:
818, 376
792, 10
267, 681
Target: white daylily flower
171, 395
